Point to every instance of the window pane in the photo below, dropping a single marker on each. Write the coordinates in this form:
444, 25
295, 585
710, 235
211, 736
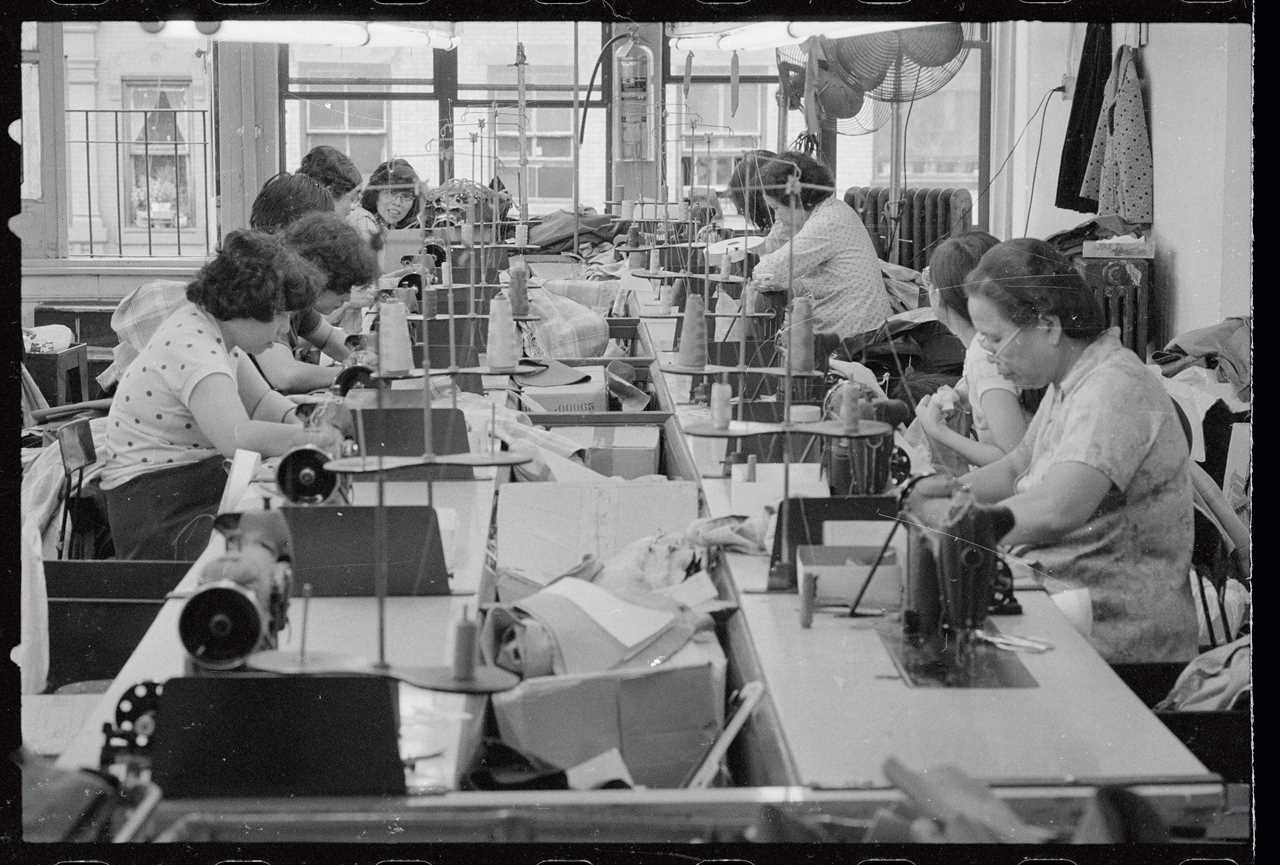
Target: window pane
326, 114
29, 43
140, 153
366, 114
553, 119
710, 61
554, 148
487, 54
30, 130
554, 181
366, 151
324, 67
702, 133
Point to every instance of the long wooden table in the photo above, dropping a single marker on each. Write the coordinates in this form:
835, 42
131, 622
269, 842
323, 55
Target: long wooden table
419, 631
844, 708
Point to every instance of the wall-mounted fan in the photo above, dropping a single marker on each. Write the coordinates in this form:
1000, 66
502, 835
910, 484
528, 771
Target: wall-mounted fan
836, 98
900, 65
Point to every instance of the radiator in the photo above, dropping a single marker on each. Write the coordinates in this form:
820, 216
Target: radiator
928, 217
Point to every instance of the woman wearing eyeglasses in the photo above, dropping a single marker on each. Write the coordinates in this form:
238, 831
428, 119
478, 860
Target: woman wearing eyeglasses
390, 200
999, 419
1099, 487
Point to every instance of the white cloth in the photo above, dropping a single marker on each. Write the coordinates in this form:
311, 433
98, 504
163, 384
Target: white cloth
32, 652
981, 376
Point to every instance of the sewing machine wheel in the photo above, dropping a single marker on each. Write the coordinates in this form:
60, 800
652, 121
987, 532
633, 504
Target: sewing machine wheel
221, 624
136, 711
302, 477
899, 465
353, 376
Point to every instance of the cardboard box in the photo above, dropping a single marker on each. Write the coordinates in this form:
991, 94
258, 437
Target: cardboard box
589, 396
618, 451
841, 572
661, 719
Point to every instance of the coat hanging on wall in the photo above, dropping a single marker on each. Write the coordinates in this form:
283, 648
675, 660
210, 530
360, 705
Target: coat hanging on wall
1120, 172
1086, 105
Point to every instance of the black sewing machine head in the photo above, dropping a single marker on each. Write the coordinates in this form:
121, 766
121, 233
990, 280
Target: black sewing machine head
951, 565
243, 598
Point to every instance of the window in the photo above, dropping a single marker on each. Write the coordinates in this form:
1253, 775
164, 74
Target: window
487, 125
139, 177
357, 127
705, 140
372, 104
28, 126
158, 172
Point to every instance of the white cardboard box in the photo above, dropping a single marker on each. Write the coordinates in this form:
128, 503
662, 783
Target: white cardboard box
661, 719
841, 572
617, 451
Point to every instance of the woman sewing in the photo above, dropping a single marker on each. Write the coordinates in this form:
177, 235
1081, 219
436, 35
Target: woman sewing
1099, 488
181, 409
998, 417
822, 252
302, 210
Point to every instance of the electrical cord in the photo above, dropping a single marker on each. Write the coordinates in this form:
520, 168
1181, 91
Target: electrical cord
1044, 101
1035, 168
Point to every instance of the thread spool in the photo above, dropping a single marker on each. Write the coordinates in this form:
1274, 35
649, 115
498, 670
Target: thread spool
467, 234
721, 413
800, 336
693, 334
655, 259
522, 235
750, 475
519, 289
850, 406
395, 352
627, 209
502, 335
464, 647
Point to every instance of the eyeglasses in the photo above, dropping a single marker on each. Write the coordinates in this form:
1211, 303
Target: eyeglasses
994, 353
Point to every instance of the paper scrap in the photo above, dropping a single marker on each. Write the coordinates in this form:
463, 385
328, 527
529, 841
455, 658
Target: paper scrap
601, 768
696, 590
627, 623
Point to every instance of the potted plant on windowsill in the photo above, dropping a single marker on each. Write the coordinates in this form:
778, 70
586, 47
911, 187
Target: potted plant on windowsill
160, 208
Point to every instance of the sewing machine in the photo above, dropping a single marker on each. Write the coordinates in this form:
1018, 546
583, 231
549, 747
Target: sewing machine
953, 570
242, 602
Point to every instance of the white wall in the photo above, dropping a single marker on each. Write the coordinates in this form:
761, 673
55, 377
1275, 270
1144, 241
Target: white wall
1199, 104
1199, 96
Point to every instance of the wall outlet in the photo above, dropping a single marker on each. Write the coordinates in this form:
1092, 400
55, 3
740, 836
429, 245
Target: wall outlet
1068, 87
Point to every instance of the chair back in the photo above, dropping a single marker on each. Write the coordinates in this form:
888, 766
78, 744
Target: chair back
76, 441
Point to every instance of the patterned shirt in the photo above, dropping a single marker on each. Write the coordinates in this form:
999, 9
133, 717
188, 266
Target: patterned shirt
1134, 554
831, 260
150, 426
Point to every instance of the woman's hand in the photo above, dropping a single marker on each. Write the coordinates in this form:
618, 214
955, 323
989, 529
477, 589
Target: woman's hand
929, 413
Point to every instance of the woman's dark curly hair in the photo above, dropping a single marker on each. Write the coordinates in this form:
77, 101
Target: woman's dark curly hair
286, 197
392, 175
1028, 278
328, 242
255, 275
950, 264
776, 172
745, 188
332, 169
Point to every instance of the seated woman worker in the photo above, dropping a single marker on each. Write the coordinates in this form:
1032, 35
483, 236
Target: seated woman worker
998, 417
302, 210
181, 409
823, 252
1099, 488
